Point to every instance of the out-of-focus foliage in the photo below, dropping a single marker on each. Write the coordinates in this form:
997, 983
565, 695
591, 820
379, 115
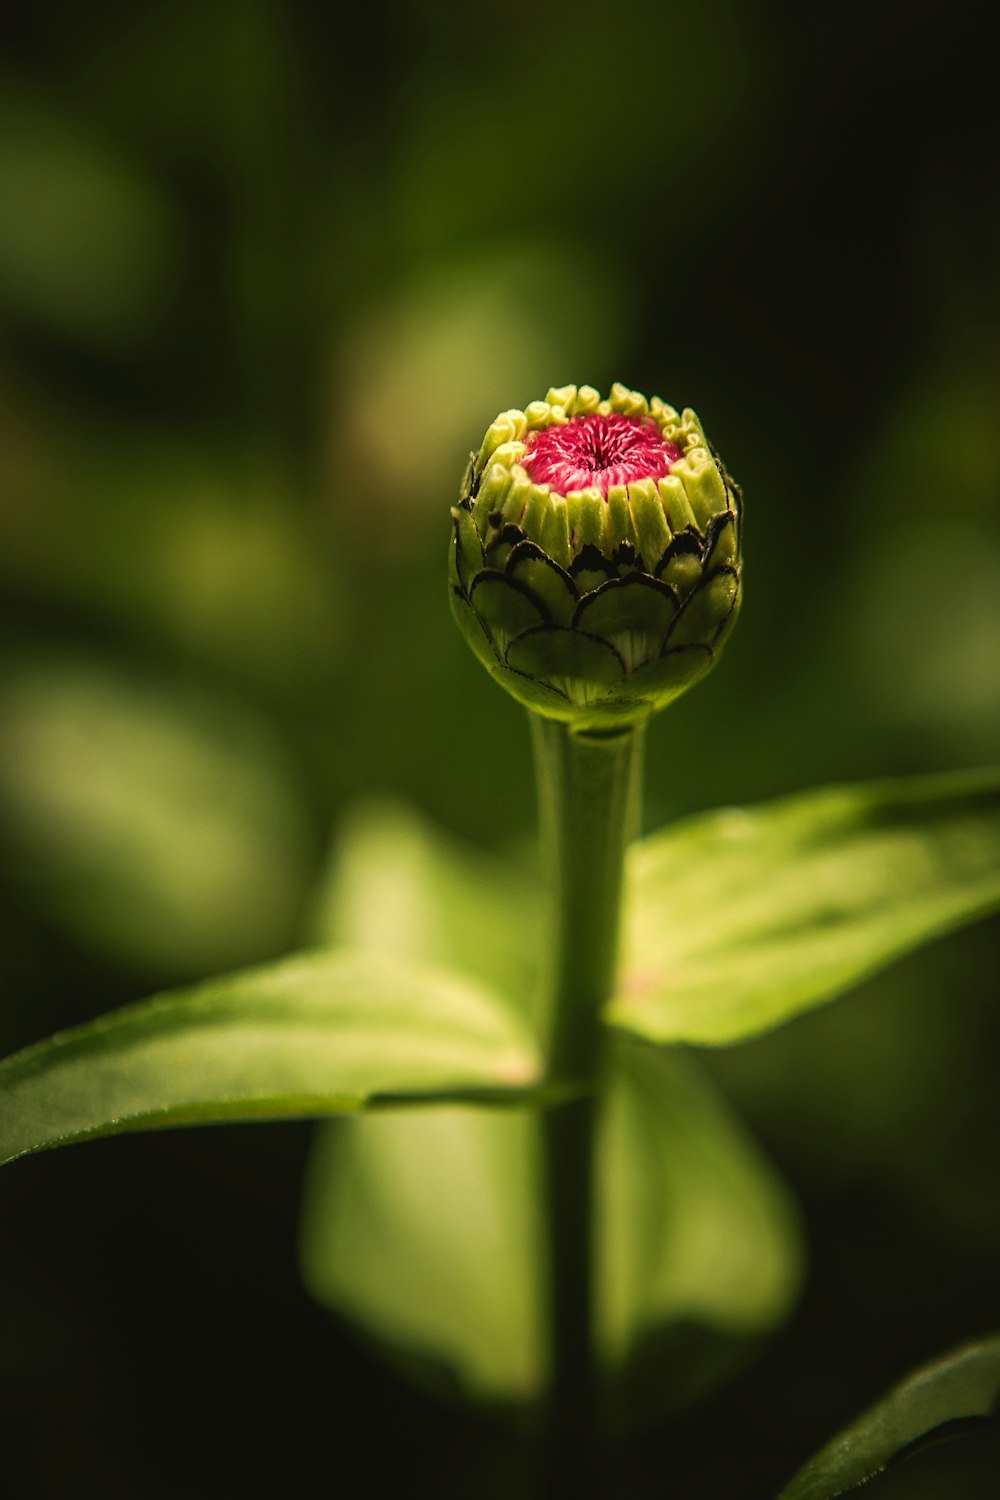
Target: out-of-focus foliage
88, 242
453, 339
948, 686
395, 884
425, 1227
152, 821
242, 246
701, 1255
200, 555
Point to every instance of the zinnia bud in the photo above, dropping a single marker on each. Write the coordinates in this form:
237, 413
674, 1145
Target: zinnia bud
595, 564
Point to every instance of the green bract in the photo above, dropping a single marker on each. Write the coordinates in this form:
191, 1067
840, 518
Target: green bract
599, 605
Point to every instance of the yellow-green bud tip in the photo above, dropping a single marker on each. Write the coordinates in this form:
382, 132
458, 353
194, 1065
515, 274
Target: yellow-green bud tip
595, 561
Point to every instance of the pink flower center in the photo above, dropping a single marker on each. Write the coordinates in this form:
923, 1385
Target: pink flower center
595, 452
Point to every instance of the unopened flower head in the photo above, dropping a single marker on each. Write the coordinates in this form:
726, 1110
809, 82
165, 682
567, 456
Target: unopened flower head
595, 563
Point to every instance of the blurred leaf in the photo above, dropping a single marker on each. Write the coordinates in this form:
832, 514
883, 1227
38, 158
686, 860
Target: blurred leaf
398, 885
216, 554
426, 1227
453, 347
320, 1033
216, 83
154, 823
945, 686
960, 1390
87, 243
939, 688
450, 141
700, 1239
744, 918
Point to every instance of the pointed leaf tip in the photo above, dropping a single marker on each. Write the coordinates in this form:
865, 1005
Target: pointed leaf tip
741, 919
318, 1034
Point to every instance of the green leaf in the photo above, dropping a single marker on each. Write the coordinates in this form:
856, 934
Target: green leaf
398, 885
741, 919
154, 823
425, 1228
938, 1401
318, 1034
701, 1248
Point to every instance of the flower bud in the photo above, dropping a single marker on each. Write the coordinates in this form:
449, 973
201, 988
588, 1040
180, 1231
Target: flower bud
595, 563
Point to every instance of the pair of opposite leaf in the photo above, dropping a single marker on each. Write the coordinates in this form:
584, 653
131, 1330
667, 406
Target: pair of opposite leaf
312, 1037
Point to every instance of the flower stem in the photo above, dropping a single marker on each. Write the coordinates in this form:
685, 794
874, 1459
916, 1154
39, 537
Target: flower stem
588, 803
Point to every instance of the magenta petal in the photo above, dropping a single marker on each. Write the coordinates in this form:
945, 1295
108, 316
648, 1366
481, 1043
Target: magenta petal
593, 451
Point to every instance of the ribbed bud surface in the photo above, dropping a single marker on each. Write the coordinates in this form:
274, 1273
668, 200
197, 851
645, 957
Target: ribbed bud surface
595, 561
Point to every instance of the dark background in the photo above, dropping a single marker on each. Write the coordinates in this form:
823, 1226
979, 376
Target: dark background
266, 274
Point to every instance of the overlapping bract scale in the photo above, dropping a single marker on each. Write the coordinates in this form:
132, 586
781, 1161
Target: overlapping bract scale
596, 609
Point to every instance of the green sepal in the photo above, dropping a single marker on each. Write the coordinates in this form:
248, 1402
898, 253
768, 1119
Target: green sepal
467, 552
680, 567
473, 629
707, 612
659, 682
505, 610
591, 569
581, 665
722, 541
549, 701
529, 567
636, 604
499, 543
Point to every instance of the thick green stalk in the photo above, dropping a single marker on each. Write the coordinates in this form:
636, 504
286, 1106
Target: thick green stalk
588, 802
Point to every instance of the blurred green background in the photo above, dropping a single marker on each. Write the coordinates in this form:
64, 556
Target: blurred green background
267, 272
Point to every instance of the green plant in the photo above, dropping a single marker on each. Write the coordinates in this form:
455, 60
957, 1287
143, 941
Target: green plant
571, 1196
